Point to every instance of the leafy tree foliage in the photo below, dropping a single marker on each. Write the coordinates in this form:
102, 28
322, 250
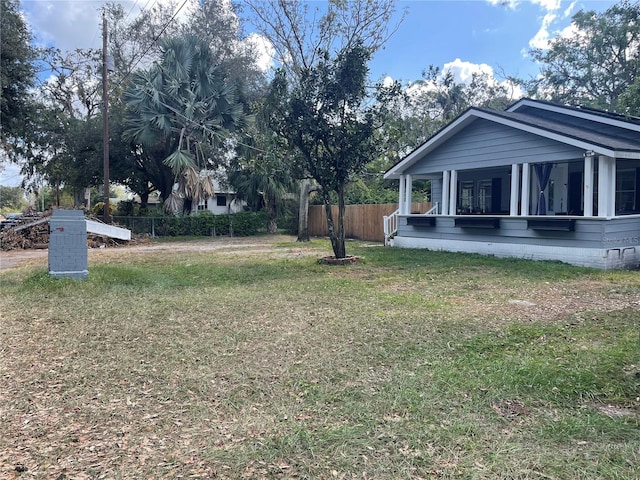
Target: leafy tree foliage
598, 65
17, 71
262, 174
11, 199
327, 119
180, 110
302, 34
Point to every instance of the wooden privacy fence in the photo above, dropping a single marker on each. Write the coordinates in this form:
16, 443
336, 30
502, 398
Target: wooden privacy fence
363, 222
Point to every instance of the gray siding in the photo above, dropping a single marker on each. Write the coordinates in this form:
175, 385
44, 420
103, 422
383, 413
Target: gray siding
589, 233
487, 144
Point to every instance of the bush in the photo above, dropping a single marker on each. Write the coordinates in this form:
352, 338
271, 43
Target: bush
98, 209
248, 223
206, 224
125, 208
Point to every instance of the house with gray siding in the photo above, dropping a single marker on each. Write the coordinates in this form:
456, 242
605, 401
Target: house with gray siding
539, 181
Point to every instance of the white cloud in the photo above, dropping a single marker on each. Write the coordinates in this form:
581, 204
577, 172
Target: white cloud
463, 71
512, 4
567, 12
387, 81
264, 49
72, 24
542, 37
548, 5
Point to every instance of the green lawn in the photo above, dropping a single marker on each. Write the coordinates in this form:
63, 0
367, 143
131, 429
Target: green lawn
410, 364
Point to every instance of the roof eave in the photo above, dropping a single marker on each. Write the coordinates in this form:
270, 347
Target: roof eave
474, 113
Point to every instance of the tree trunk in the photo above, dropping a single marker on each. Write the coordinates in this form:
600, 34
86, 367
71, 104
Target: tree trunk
336, 233
144, 199
272, 226
303, 211
341, 251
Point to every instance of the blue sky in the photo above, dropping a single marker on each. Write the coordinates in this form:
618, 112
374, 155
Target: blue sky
461, 35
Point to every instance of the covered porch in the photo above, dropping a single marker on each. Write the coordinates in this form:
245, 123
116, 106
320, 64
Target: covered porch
505, 188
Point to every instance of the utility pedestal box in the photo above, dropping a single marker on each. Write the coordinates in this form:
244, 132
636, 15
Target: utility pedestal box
68, 253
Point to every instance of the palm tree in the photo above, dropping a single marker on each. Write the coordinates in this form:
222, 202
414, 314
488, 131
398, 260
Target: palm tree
263, 189
185, 104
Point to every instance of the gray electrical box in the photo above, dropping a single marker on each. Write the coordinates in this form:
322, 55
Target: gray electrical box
68, 253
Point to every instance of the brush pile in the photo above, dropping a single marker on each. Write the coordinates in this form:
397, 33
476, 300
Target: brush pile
29, 230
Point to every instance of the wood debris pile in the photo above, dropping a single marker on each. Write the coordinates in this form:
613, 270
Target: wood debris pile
31, 231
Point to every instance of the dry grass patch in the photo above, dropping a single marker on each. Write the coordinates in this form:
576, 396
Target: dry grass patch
191, 363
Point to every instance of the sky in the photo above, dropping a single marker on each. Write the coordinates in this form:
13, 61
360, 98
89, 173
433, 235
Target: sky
463, 36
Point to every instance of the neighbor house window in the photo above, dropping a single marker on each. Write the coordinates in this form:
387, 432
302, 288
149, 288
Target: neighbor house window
203, 205
221, 200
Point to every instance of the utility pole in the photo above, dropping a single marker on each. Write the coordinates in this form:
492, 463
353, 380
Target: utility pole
105, 119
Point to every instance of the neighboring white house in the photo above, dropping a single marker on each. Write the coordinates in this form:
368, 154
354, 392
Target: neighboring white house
223, 201
539, 181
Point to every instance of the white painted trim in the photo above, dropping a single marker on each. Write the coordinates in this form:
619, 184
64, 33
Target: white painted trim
606, 186
525, 190
584, 114
401, 195
453, 193
407, 193
446, 183
588, 186
603, 258
515, 190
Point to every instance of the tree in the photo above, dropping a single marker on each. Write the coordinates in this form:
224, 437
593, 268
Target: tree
17, 72
180, 110
325, 117
598, 65
301, 36
262, 171
12, 199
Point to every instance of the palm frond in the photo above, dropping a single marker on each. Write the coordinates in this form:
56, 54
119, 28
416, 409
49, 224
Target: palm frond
179, 161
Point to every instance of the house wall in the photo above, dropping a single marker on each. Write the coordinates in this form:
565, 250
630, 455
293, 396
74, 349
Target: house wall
489, 144
231, 205
601, 243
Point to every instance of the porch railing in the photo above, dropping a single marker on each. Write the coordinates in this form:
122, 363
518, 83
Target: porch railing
433, 210
391, 222
390, 226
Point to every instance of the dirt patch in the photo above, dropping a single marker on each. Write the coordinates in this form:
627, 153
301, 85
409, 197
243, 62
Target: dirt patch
227, 245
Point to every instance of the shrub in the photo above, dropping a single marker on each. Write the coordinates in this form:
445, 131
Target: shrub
125, 208
98, 209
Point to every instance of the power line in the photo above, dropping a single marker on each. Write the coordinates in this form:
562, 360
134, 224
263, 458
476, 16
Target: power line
166, 25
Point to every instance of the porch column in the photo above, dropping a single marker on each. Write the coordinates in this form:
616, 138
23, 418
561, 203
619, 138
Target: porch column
526, 194
588, 185
606, 186
401, 196
453, 192
407, 193
515, 182
446, 183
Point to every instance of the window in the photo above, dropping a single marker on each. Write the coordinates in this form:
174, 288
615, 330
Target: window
221, 200
484, 196
466, 197
203, 205
626, 190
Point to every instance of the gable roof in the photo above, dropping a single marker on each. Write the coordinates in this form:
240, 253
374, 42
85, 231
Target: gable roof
592, 130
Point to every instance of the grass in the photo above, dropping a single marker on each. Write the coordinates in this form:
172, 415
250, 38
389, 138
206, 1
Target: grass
410, 364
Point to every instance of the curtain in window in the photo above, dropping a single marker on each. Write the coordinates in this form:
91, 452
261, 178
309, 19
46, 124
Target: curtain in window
543, 172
